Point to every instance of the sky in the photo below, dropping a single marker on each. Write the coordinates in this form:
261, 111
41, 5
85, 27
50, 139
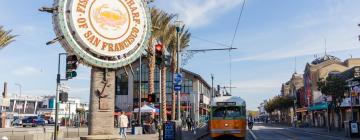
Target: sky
271, 35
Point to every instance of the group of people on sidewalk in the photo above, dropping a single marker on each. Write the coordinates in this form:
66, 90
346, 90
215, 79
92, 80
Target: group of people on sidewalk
148, 123
190, 123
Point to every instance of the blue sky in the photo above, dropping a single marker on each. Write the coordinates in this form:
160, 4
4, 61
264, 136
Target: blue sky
271, 34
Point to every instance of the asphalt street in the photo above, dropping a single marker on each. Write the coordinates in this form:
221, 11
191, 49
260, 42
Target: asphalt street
248, 137
263, 132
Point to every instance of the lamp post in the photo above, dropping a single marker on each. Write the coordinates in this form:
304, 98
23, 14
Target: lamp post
179, 25
327, 112
20, 87
140, 82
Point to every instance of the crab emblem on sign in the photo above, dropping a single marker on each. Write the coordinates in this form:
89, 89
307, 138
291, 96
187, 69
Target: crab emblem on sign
109, 18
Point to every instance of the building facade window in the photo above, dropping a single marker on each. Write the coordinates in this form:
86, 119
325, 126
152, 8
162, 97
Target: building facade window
187, 85
122, 84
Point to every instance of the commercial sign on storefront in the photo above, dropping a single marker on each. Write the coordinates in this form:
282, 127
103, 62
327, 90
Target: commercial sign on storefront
103, 33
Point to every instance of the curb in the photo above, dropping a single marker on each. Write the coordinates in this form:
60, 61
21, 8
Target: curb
252, 134
202, 136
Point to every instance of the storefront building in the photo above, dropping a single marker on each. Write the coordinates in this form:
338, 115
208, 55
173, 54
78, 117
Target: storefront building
318, 104
195, 91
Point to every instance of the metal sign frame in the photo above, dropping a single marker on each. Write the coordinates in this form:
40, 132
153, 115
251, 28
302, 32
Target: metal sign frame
73, 46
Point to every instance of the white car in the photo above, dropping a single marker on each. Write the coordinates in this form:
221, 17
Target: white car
17, 122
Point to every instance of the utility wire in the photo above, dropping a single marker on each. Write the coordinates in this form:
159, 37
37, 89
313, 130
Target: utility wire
232, 43
237, 24
209, 41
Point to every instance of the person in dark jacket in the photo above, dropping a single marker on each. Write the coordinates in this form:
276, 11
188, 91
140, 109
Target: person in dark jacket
189, 123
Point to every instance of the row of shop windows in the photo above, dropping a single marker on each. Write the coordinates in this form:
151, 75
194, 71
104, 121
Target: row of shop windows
122, 82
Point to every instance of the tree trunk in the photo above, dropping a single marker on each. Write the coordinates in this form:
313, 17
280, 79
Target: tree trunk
151, 64
163, 93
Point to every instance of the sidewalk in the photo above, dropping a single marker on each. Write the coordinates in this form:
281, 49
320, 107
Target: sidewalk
190, 135
131, 137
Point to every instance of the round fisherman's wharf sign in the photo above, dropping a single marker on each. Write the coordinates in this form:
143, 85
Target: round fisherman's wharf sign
104, 33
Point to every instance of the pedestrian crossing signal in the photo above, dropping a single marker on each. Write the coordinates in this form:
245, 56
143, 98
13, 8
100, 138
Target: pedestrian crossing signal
151, 98
63, 97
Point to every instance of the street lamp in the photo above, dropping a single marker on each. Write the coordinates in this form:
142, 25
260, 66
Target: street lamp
327, 111
20, 87
179, 26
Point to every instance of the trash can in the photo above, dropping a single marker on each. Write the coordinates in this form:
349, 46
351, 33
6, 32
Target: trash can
136, 130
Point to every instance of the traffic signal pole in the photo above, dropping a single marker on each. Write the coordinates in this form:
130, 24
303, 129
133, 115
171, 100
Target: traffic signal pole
58, 79
160, 105
178, 71
140, 81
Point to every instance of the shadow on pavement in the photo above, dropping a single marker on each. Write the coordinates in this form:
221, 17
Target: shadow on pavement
228, 137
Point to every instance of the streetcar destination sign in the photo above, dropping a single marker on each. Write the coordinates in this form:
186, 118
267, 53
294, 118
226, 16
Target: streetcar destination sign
104, 33
226, 103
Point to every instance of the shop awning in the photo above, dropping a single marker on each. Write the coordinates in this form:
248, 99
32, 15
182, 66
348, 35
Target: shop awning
303, 109
320, 106
147, 109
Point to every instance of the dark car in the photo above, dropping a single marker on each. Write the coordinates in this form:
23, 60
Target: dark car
33, 121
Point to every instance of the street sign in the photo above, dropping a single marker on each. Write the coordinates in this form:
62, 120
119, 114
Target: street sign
177, 87
5, 102
169, 130
177, 78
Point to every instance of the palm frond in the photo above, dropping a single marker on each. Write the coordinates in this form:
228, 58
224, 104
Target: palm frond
6, 37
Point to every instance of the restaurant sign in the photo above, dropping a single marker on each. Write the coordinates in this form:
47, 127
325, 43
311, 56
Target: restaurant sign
103, 33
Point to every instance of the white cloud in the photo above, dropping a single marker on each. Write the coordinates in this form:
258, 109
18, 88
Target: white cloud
258, 84
26, 71
26, 29
197, 13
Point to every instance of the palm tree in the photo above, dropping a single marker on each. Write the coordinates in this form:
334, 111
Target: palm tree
162, 32
5, 37
166, 38
184, 42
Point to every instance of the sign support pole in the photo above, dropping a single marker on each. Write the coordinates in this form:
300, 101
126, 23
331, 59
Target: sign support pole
58, 79
160, 105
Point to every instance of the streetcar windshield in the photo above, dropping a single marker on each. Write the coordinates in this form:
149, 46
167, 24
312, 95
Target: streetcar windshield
228, 112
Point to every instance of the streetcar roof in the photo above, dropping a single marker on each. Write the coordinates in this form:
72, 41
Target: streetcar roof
238, 100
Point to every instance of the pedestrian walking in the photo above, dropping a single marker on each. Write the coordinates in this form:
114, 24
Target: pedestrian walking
189, 123
123, 124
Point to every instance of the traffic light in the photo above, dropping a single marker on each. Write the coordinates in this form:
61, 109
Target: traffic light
159, 54
167, 59
63, 97
71, 65
357, 72
151, 98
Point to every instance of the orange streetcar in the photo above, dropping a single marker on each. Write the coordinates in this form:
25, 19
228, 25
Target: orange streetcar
228, 117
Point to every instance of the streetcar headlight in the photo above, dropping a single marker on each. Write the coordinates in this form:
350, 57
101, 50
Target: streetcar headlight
226, 125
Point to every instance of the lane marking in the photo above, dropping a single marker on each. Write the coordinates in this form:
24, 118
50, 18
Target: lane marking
252, 134
286, 135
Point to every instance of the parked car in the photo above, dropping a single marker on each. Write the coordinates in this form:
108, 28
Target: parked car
33, 121
51, 122
17, 122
